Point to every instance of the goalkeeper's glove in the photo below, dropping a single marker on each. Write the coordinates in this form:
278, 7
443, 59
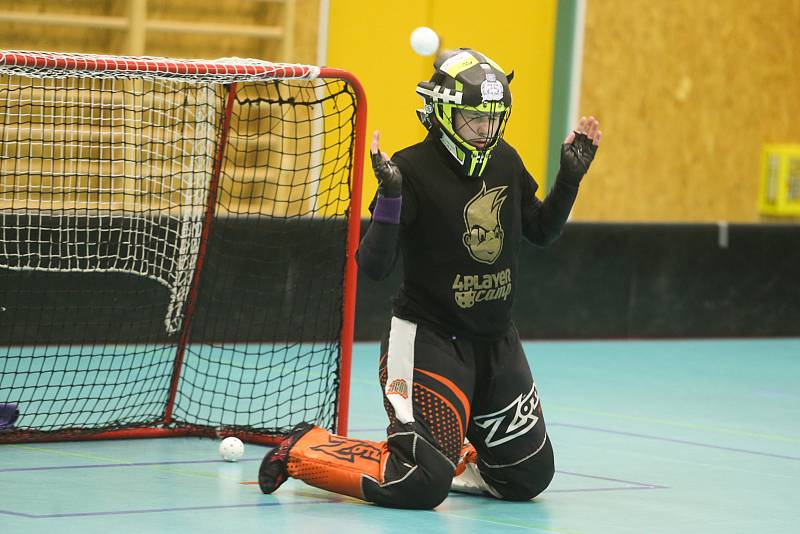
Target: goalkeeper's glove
390, 180
577, 156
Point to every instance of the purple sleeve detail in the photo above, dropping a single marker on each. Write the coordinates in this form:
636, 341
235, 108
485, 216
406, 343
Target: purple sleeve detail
387, 209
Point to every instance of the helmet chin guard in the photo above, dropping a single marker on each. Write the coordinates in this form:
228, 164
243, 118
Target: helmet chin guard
467, 103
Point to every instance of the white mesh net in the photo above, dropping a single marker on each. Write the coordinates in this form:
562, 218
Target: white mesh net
105, 162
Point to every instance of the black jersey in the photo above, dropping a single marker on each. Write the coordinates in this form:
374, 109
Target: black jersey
459, 237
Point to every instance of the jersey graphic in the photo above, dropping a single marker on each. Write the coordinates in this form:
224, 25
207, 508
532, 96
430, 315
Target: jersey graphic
484, 235
512, 421
470, 289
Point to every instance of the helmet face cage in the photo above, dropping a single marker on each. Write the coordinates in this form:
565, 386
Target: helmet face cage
467, 105
474, 127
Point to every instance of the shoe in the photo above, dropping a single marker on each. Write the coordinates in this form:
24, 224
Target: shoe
468, 456
468, 478
273, 471
8, 414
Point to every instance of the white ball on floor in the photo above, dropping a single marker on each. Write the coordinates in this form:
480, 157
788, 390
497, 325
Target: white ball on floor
424, 41
231, 449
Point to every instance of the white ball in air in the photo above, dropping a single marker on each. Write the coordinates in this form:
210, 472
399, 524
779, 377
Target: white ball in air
424, 41
231, 449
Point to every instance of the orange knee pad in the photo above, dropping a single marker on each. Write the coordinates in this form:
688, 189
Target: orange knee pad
336, 463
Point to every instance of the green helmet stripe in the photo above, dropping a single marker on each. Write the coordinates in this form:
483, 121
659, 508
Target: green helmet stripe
483, 165
473, 162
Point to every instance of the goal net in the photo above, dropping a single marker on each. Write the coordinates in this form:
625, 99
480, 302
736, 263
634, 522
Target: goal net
176, 245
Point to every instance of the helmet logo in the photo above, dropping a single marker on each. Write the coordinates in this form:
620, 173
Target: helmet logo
491, 89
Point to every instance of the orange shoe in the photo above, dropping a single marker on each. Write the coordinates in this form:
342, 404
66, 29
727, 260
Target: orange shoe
468, 456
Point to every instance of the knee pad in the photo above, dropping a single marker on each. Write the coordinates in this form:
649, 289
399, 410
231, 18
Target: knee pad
336, 463
423, 485
525, 480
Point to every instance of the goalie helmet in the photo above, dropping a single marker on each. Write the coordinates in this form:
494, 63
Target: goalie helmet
467, 105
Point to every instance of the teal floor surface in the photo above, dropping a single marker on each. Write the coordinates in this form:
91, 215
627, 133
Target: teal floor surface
697, 436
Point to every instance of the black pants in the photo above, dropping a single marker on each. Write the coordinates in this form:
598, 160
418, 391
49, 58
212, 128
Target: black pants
439, 389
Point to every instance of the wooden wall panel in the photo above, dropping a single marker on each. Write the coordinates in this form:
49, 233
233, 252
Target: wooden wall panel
687, 93
100, 41
20, 36
243, 186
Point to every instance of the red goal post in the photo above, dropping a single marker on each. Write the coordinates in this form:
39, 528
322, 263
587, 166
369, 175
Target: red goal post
178, 243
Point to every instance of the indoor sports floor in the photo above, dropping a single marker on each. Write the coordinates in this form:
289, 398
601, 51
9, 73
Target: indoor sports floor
650, 436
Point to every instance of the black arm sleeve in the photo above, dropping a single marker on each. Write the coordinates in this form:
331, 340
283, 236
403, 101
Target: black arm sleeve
377, 252
542, 222
379, 249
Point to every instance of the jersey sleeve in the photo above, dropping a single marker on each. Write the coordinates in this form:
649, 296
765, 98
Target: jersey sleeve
409, 210
378, 251
543, 221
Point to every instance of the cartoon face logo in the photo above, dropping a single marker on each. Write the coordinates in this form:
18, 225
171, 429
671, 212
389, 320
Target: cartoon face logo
484, 235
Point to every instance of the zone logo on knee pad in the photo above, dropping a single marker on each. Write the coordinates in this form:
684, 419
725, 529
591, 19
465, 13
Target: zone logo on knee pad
348, 451
514, 420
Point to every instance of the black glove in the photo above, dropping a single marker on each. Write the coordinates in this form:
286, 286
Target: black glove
390, 181
576, 157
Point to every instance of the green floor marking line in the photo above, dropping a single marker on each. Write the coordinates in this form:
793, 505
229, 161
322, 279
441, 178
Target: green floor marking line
121, 463
494, 521
57, 452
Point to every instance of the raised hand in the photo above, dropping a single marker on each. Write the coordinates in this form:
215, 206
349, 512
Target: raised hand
390, 181
579, 148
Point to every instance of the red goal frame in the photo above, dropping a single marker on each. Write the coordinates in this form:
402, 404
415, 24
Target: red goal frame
75, 63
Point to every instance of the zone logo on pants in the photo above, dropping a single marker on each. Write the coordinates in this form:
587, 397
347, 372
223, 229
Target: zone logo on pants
512, 421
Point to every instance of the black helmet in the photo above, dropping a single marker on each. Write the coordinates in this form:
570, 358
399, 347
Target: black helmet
467, 105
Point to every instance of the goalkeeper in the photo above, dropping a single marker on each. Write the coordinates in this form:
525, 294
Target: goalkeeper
456, 207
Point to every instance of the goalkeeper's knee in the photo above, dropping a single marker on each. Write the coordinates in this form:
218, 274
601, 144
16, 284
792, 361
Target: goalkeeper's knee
422, 485
527, 479
517, 481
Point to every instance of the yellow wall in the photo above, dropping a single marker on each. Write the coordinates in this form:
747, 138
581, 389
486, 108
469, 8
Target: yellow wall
688, 92
371, 39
